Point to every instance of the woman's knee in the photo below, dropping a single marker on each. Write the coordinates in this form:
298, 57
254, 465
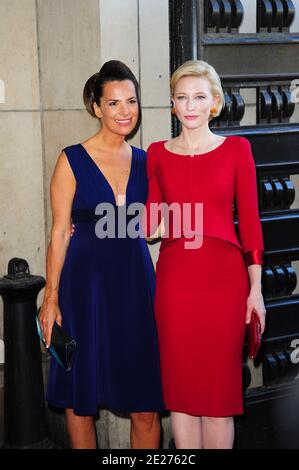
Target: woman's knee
145, 419
83, 419
215, 421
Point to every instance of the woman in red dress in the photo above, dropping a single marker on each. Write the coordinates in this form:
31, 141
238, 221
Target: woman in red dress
205, 295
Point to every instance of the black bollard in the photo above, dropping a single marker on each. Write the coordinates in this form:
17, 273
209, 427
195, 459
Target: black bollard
24, 406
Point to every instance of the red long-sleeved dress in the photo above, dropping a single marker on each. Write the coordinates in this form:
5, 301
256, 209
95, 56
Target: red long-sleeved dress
201, 293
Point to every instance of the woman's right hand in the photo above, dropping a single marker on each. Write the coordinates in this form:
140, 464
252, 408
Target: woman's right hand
49, 313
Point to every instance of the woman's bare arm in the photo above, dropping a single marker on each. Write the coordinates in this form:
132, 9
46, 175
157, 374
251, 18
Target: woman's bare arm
62, 190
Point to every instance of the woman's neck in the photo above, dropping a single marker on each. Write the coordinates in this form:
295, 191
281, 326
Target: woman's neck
109, 141
195, 139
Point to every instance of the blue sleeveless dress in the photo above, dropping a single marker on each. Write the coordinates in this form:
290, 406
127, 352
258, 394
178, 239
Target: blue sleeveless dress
106, 295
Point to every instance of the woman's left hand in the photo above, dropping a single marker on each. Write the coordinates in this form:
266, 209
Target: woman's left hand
255, 302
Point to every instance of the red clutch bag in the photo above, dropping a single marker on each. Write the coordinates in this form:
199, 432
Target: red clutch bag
254, 335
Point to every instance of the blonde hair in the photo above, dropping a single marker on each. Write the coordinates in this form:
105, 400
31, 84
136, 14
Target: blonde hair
200, 68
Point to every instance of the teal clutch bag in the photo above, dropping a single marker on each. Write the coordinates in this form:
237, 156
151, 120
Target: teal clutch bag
62, 346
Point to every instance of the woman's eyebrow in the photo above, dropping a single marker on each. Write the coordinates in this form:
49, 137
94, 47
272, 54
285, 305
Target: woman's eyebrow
117, 99
195, 93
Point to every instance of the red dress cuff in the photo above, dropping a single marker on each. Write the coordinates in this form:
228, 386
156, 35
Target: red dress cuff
254, 257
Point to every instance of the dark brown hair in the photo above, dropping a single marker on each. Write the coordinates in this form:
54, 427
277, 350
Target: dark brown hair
111, 71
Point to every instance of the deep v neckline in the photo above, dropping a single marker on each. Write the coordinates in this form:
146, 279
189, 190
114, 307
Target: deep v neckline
106, 179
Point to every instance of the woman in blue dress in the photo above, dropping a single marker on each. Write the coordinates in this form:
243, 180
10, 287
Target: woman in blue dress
100, 290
